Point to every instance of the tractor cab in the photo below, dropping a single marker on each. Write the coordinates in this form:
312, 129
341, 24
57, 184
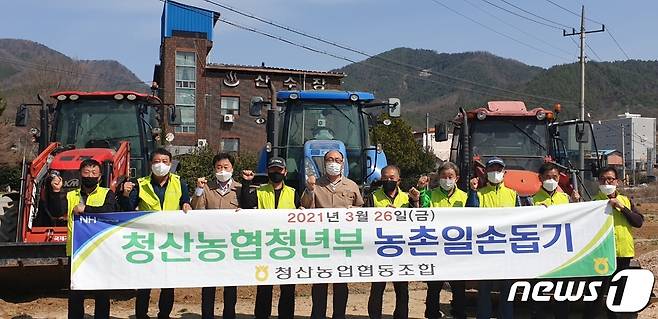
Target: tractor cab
311, 123
524, 139
102, 120
504, 129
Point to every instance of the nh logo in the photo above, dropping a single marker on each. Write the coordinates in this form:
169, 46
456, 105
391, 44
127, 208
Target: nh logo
88, 220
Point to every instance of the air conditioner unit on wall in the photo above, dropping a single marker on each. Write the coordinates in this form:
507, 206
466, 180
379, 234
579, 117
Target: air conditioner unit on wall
229, 118
202, 142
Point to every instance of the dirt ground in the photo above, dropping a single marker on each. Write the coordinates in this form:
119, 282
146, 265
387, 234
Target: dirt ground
188, 301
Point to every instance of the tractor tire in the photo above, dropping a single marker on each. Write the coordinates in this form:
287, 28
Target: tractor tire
8, 223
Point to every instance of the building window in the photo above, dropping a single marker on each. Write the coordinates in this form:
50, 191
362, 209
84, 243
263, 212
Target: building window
230, 105
230, 145
186, 90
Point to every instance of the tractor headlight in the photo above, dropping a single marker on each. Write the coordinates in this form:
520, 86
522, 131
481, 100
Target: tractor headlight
293, 96
131, 97
541, 115
74, 97
61, 97
354, 97
118, 96
482, 115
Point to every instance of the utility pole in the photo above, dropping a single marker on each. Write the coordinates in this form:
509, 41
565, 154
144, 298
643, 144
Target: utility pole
623, 155
427, 131
581, 34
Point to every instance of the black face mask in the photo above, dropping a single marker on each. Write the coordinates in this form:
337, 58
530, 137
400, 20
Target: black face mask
389, 186
89, 182
275, 177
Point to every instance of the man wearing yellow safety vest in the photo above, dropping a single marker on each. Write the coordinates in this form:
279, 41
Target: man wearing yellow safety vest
494, 194
549, 195
390, 195
88, 199
625, 216
160, 191
446, 195
273, 195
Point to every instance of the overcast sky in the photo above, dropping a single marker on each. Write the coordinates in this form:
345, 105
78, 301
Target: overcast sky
129, 30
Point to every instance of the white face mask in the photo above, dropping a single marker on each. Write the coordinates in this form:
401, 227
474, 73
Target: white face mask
333, 168
224, 176
160, 169
607, 189
549, 184
495, 177
447, 184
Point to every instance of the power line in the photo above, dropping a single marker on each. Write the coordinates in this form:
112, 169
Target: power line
287, 28
618, 45
275, 37
317, 38
517, 28
305, 47
496, 31
279, 38
572, 12
521, 16
344, 47
592, 20
535, 15
593, 52
616, 128
588, 47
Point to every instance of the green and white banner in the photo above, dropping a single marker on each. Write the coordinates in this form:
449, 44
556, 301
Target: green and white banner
254, 247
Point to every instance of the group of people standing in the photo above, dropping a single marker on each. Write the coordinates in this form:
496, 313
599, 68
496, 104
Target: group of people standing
166, 191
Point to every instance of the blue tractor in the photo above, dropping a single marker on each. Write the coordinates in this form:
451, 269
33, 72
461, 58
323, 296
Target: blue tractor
303, 125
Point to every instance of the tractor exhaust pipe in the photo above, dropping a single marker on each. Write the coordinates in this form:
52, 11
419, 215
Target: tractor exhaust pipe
43, 121
467, 159
273, 121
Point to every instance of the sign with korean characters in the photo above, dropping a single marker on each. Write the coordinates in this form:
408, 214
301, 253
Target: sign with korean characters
255, 247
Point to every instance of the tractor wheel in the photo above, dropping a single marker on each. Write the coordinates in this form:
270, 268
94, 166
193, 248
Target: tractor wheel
8, 223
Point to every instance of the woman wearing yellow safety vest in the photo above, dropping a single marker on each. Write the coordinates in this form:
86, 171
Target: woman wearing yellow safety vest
625, 216
160, 191
273, 195
446, 195
390, 195
88, 199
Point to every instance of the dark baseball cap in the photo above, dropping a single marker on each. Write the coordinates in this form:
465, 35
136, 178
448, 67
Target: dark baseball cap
495, 160
276, 162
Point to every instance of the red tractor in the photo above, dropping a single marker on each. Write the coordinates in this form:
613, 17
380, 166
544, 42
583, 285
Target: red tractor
119, 129
524, 139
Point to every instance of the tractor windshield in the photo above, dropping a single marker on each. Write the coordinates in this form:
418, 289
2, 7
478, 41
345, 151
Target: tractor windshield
329, 121
99, 123
521, 142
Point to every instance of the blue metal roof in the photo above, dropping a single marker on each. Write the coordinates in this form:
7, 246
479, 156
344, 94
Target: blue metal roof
181, 17
325, 95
